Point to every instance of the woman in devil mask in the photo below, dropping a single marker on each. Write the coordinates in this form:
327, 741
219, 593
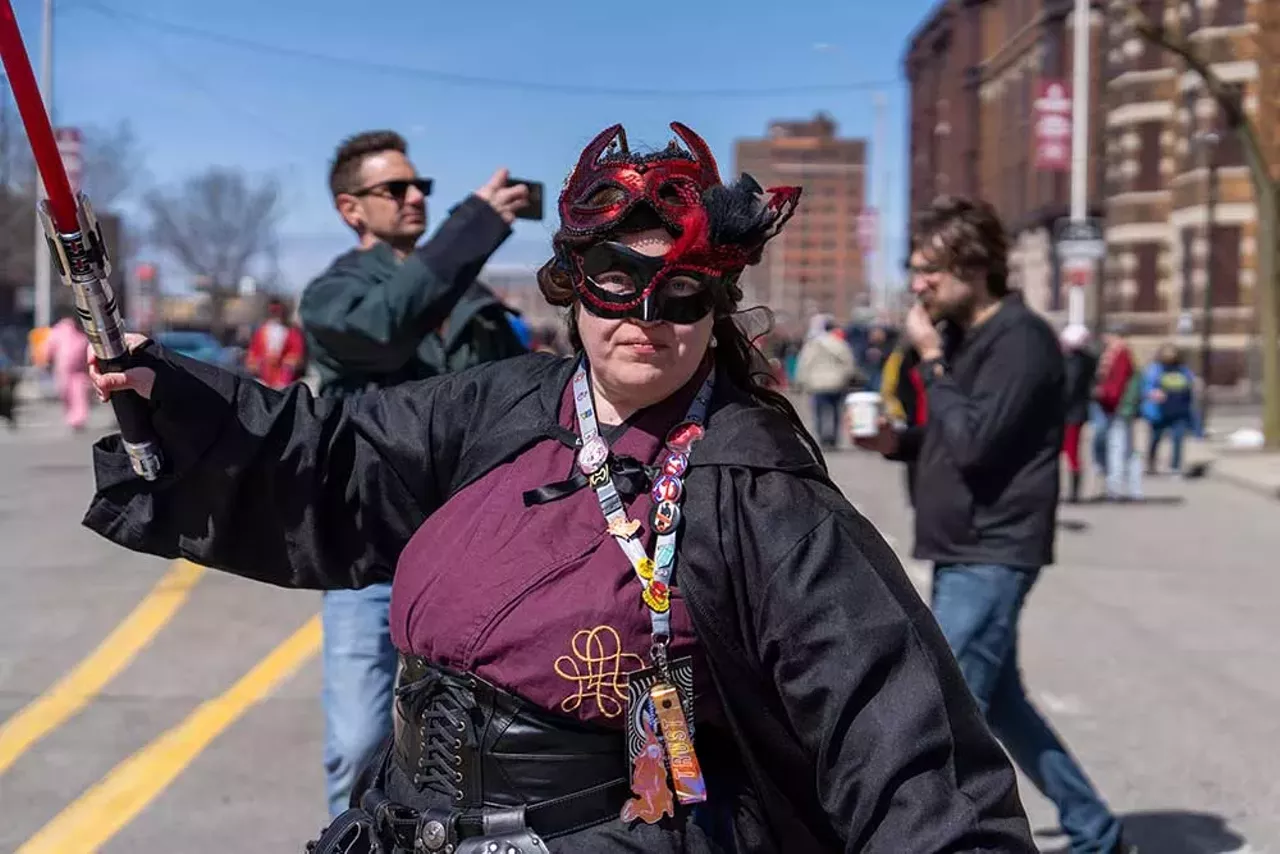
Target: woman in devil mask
634, 612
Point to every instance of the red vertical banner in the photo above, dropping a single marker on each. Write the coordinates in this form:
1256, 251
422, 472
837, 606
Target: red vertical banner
72, 161
1053, 125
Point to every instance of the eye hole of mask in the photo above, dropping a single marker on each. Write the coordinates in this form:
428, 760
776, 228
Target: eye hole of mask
605, 197
684, 286
616, 283
670, 194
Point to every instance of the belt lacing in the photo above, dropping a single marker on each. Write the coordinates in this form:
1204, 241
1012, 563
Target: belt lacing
448, 703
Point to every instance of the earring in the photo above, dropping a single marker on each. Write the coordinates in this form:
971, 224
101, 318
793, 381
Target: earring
713, 342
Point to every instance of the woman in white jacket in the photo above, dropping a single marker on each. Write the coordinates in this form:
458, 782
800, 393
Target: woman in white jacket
826, 370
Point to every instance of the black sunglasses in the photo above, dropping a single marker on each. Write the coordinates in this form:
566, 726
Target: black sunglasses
397, 188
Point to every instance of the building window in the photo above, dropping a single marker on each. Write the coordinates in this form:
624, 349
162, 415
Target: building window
1192, 15
1188, 129
1186, 295
1152, 56
1149, 157
1230, 150
1229, 13
1147, 276
1225, 276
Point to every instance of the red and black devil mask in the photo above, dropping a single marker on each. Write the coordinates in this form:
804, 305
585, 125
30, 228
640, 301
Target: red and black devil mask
719, 230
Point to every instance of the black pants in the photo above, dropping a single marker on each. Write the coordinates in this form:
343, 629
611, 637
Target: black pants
8, 399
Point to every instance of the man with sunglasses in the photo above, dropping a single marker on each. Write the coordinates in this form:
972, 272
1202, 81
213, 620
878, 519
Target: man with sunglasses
387, 312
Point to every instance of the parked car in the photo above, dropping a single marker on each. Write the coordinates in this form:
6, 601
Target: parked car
195, 344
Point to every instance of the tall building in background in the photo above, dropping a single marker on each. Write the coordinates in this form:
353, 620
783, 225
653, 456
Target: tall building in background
816, 263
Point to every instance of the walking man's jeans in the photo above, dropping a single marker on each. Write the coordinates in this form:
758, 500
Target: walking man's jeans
826, 417
359, 684
978, 607
1113, 453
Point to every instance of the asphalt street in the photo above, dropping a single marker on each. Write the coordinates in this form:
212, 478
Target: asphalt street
148, 707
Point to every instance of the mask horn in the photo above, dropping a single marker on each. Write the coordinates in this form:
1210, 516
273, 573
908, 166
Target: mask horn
709, 171
595, 148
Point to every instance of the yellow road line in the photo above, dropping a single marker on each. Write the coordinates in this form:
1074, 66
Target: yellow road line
97, 815
73, 691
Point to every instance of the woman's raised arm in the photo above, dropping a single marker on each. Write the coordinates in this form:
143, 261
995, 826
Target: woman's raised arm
278, 486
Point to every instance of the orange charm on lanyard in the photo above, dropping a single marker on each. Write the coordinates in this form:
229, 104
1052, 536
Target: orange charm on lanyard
691, 788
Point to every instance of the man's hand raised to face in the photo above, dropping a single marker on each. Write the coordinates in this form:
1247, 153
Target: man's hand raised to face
506, 201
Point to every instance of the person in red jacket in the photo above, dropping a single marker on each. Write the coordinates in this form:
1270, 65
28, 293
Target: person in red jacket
277, 351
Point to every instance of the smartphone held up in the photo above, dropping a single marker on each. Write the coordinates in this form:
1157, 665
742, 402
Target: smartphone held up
532, 210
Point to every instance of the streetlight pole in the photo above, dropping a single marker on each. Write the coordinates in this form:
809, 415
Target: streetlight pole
880, 286
1080, 147
1209, 147
42, 310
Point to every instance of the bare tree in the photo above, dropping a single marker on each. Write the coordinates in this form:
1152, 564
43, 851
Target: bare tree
112, 164
17, 223
216, 225
1237, 121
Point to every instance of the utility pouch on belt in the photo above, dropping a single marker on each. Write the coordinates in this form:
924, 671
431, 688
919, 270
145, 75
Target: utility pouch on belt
380, 826
352, 832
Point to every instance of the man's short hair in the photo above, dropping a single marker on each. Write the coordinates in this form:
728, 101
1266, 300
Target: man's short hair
344, 174
964, 235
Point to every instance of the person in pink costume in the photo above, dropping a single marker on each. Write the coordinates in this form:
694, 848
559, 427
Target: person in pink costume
67, 346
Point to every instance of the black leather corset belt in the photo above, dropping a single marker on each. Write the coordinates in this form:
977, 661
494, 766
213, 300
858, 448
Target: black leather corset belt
481, 749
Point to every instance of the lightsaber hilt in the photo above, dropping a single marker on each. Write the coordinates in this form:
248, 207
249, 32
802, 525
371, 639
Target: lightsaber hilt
83, 264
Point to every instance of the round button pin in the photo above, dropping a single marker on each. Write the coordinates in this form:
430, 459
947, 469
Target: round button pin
665, 517
667, 488
593, 455
676, 464
683, 436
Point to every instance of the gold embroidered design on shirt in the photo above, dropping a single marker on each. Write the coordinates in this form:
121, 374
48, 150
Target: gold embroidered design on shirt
597, 666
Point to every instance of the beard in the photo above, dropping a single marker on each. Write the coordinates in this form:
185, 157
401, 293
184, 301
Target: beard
956, 308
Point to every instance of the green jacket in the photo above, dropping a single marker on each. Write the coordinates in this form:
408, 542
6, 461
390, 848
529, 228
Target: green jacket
372, 320
1131, 400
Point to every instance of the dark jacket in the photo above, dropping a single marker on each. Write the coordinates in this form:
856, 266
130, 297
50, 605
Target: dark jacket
373, 320
1081, 369
851, 716
987, 460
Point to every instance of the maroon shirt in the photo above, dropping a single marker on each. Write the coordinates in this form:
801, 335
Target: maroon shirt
540, 600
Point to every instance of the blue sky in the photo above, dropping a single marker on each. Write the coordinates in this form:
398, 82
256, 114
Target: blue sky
196, 101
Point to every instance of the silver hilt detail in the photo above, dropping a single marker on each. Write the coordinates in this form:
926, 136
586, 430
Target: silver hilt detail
83, 265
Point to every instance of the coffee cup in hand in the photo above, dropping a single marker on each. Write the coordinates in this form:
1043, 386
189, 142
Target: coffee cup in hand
864, 408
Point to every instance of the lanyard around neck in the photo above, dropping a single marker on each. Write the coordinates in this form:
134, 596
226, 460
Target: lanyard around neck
667, 491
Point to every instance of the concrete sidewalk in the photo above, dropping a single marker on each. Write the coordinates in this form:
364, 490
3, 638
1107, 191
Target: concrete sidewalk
1252, 469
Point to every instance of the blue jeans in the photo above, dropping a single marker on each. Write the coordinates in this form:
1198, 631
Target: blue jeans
1177, 428
359, 684
978, 607
1114, 454
826, 416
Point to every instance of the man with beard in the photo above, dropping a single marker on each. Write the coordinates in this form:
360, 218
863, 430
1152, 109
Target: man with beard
987, 483
384, 313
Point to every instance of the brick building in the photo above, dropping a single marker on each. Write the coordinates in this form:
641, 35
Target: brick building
1157, 176
816, 263
973, 67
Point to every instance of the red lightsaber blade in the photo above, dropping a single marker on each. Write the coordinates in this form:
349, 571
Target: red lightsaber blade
79, 252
